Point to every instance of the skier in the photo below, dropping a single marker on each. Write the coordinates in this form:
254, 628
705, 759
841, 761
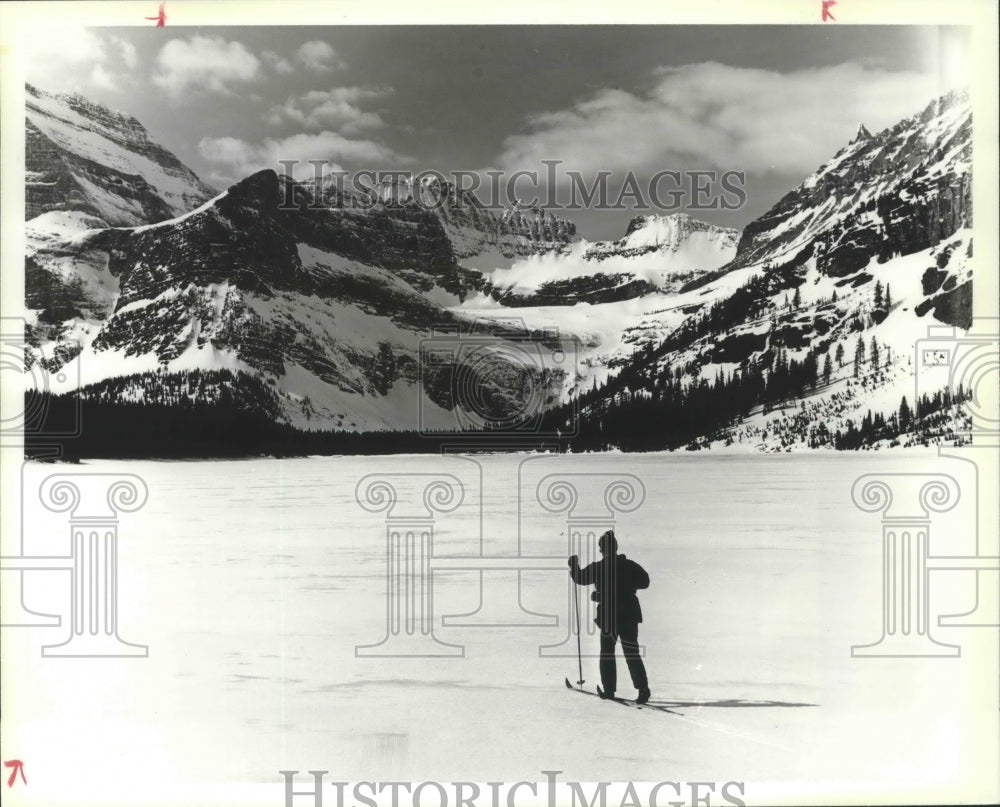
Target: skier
616, 579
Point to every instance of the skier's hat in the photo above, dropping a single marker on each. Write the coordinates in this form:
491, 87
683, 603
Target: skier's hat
607, 542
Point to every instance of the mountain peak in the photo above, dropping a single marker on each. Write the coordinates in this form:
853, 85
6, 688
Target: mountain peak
536, 224
862, 134
671, 220
904, 167
83, 156
669, 230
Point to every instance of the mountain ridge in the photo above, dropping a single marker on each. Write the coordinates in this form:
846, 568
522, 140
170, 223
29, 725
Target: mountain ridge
82, 156
658, 253
847, 269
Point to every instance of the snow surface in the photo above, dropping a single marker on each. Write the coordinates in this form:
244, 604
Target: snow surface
252, 583
56, 241
62, 224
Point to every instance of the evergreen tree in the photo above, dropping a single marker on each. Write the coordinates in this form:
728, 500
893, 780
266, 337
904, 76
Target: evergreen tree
859, 355
797, 299
827, 369
905, 415
834, 298
874, 354
810, 369
840, 354
888, 298
878, 294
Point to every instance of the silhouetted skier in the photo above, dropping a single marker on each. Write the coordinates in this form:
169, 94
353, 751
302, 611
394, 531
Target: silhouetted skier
616, 579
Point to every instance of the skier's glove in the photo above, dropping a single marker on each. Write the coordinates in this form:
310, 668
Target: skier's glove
574, 561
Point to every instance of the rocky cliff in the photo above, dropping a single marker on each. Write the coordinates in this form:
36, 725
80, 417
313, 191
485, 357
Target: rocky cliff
82, 156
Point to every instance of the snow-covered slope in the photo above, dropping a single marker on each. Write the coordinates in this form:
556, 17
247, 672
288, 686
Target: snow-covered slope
83, 156
870, 250
896, 192
687, 242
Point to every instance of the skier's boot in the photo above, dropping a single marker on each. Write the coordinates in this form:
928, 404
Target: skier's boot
643, 695
608, 696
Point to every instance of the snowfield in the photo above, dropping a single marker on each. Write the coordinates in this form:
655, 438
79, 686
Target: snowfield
253, 582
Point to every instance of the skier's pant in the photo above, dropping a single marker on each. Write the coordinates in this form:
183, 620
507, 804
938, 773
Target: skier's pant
629, 635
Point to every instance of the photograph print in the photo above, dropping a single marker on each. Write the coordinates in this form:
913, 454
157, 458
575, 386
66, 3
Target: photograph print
374, 390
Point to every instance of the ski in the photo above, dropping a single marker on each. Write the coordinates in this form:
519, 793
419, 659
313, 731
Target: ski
622, 701
647, 705
581, 690
598, 694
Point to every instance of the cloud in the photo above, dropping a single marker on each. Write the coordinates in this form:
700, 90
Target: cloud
71, 59
331, 109
711, 115
204, 64
68, 45
319, 57
127, 52
232, 158
101, 78
278, 64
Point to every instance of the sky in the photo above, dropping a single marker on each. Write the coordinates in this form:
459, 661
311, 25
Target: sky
772, 102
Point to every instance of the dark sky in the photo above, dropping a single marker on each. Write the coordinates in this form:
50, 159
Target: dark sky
772, 101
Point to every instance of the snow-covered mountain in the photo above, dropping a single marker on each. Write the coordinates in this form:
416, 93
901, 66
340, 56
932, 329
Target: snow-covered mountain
137, 270
316, 313
327, 307
685, 242
893, 193
81, 156
849, 268
656, 254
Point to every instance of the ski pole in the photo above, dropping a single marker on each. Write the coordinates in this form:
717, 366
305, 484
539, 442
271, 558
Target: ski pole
579, 652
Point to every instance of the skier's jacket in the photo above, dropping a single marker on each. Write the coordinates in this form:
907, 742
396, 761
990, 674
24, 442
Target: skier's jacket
616, 579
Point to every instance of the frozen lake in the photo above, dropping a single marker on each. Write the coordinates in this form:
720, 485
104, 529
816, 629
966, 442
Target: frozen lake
253, 583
